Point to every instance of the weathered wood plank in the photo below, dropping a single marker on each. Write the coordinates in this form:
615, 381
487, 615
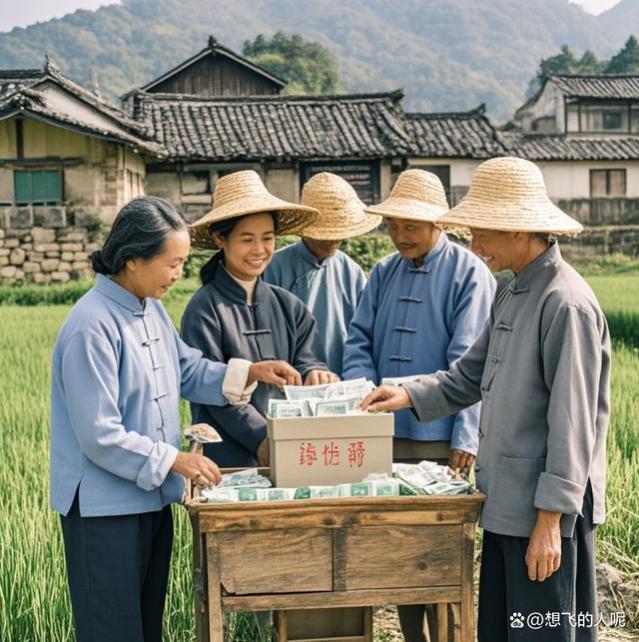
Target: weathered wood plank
402, 556
216, 618
442, 622
427, 595
281, 561
467, 606
336, 516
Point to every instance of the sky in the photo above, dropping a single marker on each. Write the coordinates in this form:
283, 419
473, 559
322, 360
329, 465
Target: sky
26, 12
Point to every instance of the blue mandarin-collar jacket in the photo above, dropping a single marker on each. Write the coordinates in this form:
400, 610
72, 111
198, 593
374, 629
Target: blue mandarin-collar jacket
331, 289
416, 320
118, 372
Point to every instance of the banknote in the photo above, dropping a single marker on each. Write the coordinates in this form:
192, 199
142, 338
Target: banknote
282, 409
398, 381
295, 393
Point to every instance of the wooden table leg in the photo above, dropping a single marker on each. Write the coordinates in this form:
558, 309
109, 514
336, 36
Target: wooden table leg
199, 584
216, 616
442, 622
467, 606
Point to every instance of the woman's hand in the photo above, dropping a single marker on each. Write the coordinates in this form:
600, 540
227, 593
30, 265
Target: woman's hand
277, 373
198, 468
386, 398
263, 454
319, 377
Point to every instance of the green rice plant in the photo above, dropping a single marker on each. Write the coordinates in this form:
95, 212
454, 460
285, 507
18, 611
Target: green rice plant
34, 601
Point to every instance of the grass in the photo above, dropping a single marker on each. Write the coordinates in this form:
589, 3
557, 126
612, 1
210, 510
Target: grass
34, 604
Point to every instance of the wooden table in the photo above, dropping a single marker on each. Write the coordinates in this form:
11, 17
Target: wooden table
304, 554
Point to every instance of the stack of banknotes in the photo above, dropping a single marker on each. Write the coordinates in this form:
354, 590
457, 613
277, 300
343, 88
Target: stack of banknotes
429, 478
330, 399
376, 488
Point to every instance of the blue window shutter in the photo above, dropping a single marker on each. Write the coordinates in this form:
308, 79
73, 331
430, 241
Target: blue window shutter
53, 186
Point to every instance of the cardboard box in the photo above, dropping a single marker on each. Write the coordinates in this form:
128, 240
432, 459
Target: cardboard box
315, 451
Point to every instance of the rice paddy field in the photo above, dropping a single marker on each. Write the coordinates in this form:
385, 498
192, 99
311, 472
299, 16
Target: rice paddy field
34, 603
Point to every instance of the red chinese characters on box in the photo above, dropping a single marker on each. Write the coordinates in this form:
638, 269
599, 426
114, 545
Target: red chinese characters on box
330, 454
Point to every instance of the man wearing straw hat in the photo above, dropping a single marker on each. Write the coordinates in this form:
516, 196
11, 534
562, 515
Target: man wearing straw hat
542, 371
314, 268
422, 308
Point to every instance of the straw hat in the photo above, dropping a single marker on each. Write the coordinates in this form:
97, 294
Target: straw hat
243, 193
341, 213
509, 194
416, 195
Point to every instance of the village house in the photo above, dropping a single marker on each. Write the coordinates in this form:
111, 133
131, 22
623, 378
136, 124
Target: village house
583, 131
68, 161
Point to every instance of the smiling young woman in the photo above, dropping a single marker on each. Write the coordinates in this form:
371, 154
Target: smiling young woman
235, 314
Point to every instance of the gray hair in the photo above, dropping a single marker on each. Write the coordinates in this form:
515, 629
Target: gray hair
139, 231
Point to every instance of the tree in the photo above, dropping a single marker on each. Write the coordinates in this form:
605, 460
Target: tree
588, 64
625, 61
308, 67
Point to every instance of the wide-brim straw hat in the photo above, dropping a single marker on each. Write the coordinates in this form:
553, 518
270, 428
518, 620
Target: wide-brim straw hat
417, 195
341, 212
509, 194
243, 193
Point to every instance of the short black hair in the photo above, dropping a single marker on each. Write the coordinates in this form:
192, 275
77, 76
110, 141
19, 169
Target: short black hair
139, 231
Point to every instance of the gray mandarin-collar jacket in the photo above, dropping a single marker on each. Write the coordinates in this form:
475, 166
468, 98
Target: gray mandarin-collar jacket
220, 323
542, 371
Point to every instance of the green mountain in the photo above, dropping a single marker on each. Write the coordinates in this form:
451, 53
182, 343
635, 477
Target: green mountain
446, 54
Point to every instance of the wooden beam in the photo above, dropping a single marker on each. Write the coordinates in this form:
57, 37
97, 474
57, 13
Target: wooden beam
342, 599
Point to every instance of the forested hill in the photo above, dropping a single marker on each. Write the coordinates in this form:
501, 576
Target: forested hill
446, 54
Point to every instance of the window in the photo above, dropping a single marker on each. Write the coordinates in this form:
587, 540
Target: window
634, 118
604, 118
607, 183
38, 187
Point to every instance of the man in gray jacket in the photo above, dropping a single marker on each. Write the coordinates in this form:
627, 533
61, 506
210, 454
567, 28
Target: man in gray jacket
542, 372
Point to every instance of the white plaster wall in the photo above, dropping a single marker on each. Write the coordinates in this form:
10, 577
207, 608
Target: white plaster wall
166, 185
568, 180
461, 170
65, 103
6, 185
283, 183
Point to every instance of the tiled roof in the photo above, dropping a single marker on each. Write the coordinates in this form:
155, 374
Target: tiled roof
549, 147
215, 48
21, 91
578, 86
453, 135
274, 127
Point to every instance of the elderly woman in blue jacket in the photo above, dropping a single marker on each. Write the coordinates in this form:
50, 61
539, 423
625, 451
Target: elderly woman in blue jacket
119, 370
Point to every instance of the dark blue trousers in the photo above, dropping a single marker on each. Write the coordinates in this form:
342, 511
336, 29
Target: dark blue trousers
509, 603
118, 569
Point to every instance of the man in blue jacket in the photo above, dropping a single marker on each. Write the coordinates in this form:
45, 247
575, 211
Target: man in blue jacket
422, 308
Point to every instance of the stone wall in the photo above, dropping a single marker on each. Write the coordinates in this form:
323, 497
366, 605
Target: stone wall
45, 254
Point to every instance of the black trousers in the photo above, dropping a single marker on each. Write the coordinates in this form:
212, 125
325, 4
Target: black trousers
509, 601
118, 570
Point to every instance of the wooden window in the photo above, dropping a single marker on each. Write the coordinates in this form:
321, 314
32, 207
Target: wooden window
607, 183
634, 119
604, 118
38, 187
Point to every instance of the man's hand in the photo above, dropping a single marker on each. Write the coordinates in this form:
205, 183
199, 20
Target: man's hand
263, 454
460, 461
543, 556
277, 373
386, 398
198, 468
318, 377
